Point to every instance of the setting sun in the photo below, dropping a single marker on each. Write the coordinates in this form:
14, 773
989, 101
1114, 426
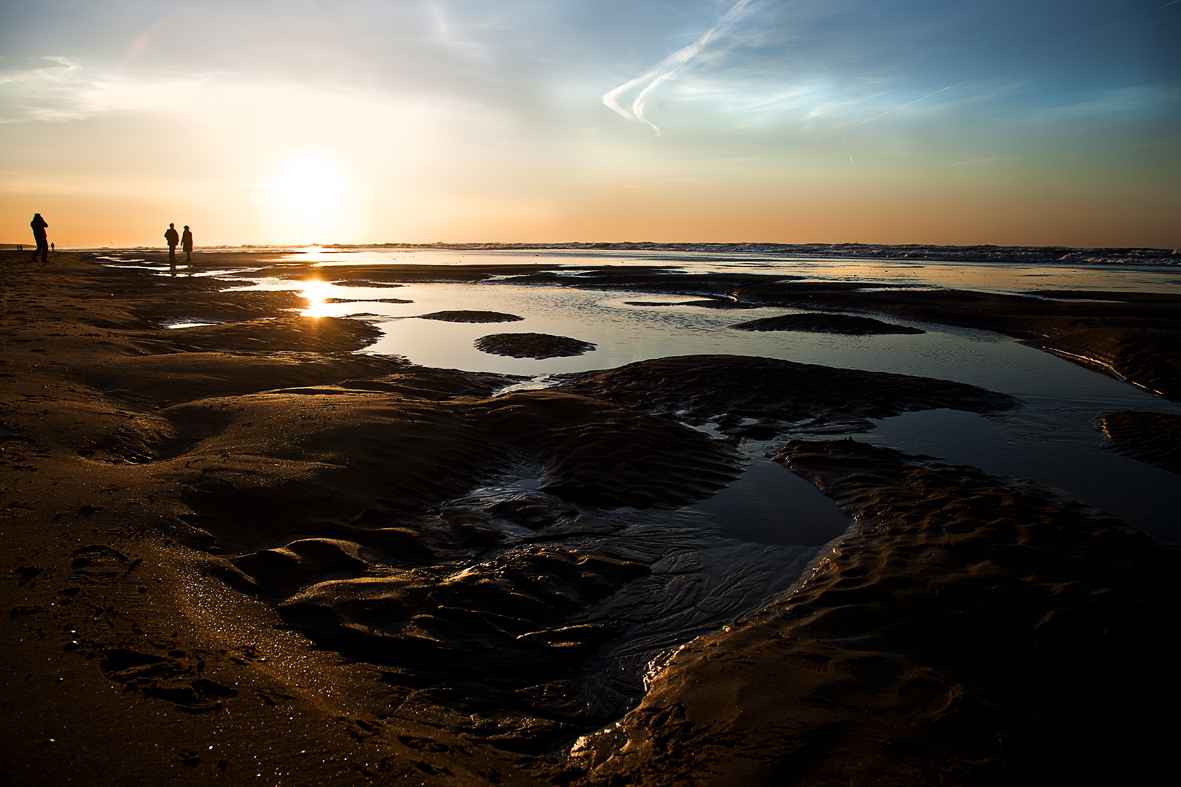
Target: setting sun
309, 198
310, 185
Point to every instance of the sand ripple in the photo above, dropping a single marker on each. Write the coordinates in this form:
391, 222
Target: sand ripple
732, 390
1150, 437
976, 615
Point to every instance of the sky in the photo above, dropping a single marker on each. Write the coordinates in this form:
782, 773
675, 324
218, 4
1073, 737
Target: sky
1030, 122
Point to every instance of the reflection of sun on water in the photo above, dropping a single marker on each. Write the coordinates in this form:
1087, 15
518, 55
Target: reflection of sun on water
316, 292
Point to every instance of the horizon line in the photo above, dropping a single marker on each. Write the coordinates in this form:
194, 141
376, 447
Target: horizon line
625, 244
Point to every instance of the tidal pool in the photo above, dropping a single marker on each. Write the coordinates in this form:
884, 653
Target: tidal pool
750, 542
1053, 439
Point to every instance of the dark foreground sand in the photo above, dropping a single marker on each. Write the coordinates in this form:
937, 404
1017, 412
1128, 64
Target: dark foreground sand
236, 552
975, 631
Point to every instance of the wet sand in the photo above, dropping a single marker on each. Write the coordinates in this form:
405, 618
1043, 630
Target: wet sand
974, 631
242, 549
1150, 437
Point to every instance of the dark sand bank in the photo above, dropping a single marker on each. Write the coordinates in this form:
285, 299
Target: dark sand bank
532, 345
470, 316
243, 549
825, 323
729, 390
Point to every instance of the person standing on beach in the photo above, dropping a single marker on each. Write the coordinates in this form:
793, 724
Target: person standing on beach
172, 238
186, 243
39, 226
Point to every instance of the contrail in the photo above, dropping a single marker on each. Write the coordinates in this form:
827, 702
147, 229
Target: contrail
664, 70
917, 100
1105, 28
1158, 8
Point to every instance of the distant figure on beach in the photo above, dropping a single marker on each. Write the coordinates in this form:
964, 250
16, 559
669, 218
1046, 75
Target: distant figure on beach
186, 243
51, 247
39, 226
173, 239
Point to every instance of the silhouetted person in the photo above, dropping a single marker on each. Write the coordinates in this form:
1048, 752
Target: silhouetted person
186, 243
173, 239
39, 226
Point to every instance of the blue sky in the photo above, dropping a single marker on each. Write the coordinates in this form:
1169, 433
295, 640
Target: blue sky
1053, 122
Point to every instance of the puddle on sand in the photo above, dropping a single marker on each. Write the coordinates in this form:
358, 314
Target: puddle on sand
710, 563
769, 504
1056, 445
182, 323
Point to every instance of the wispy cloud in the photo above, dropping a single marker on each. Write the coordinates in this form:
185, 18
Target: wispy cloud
665, 69
49, 91
63, 90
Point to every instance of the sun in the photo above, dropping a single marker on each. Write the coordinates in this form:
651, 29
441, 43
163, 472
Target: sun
311, 185
310, 198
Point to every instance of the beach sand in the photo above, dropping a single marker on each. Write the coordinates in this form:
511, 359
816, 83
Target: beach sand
194, 520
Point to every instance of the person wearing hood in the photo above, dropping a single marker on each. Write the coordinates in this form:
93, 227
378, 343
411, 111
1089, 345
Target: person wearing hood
39, 226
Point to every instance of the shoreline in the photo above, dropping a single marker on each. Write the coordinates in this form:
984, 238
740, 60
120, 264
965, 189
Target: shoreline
148, 473
901, 252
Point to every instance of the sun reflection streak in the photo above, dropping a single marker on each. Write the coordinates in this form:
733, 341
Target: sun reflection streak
316, 291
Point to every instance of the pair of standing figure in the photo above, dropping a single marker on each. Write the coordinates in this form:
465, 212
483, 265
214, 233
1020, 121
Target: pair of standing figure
186, 242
